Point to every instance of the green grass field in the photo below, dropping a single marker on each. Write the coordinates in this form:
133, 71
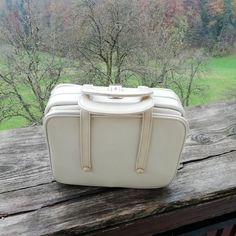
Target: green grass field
219, 80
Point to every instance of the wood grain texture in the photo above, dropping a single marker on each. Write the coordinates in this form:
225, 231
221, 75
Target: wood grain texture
174, 219
31, 203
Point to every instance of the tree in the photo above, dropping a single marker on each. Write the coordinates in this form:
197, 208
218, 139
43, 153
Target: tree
189, 69
167, 59
162, 45
215, 30
226, 25
121, 41
29, 74
108, 39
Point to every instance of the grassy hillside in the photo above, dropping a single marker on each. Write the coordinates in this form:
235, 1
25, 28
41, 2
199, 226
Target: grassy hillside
219, 79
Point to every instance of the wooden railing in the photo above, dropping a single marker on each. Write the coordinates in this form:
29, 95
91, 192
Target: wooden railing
32, 203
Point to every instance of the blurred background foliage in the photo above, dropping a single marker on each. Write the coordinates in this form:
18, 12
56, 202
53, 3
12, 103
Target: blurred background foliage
186, 45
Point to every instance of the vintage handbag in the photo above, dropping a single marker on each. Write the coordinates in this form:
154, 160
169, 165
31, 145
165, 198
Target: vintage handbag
114, 136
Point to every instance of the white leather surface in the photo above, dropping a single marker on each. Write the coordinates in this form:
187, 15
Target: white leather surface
114, 143
116, 91
74, 88
121, 107
65, 95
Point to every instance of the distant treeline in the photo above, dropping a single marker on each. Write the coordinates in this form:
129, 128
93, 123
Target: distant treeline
211, 23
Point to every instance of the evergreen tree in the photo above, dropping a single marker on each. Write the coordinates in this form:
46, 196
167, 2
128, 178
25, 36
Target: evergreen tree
23, 16
225, 29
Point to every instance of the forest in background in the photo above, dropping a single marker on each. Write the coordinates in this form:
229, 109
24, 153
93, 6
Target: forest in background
183, 45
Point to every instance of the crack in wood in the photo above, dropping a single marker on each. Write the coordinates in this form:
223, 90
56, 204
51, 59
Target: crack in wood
28, 187
183, 163
72, 199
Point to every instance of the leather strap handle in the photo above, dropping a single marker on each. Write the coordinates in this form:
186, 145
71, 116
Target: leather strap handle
85, 157
116, 91
144, 141
86, 103
88, 106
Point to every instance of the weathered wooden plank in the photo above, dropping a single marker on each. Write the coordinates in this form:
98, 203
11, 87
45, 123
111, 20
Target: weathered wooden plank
32, 204
40, 196
174, 219
24, 155
24, 159
122, 205
212, 130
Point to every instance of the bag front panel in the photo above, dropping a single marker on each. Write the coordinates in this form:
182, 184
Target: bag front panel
114, 147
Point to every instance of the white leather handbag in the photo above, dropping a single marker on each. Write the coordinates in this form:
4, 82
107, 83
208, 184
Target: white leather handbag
114, 136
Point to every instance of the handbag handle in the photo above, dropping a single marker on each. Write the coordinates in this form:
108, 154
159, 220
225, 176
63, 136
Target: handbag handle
89, 106
116, 91
86, 102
